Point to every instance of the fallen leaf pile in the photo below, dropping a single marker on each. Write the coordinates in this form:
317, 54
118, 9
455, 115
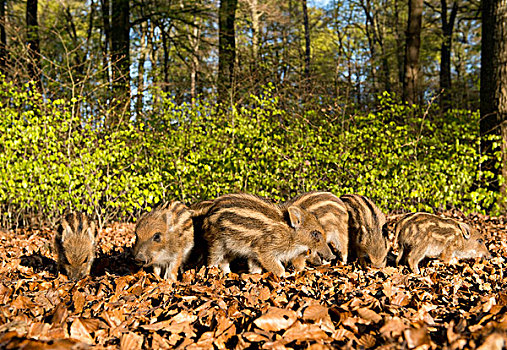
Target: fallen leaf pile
457, 306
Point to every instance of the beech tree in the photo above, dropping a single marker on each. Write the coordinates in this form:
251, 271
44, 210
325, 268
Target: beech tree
494, 87
120, 46
3, 38
32, 42
226, 49
445, 52
413, 43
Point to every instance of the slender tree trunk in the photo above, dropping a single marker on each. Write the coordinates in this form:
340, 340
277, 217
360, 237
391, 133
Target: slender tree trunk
226, 50
3, 39
494, 88
307, 42
106, 59
195, 41
256, 28
370, 35
120, 56
445, 54
32, 42
143, 53
165, 65
413, 42
399, 46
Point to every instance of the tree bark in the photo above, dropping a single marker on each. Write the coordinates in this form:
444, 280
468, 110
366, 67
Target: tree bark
120, 45
445, 54
493, 92
145, 34
399, 47
3, 39
256, 28
226, 50
413, 43
32, 42
195, 41
307, 43
106, 22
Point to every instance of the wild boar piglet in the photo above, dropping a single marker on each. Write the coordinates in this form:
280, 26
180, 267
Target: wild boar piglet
244, 225
421, 235
332, 214
164, 239
75, 243
367, 231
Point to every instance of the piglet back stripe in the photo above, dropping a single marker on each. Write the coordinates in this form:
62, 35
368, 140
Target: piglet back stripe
367, 204
247, 202
352, 205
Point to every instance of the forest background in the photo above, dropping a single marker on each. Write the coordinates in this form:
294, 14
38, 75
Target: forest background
113, 106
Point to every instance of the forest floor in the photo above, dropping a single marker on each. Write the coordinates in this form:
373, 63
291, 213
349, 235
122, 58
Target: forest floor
457, 306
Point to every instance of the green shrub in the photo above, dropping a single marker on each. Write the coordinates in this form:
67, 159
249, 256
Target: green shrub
53, 159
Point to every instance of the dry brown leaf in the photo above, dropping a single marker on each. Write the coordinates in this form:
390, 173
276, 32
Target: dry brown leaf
494, 341
159, 342
393, 327
182, 322
303, 332
400, 298
275, 345
79, 332
366, 341
416, 337
342, 334
276, 319
38, 330
255, 337
91, 324
318, 346
131, 341
319, 315
369, 315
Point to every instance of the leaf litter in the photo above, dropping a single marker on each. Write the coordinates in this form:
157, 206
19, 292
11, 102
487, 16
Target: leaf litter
457, 306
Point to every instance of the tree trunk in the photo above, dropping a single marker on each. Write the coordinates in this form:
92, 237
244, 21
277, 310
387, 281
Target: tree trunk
399, 47
371, 37
413, 42
120, 45
145, 33
307, 43
256, 28
3, 39
445, 54
166, 54
195, 43
494, 88
32, 42
106, 13
226, 50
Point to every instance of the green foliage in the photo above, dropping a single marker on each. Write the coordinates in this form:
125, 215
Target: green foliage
52, 159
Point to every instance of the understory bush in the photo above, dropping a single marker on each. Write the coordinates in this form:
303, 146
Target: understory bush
54, 157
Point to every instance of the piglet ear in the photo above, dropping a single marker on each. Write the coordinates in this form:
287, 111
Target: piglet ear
465, 230
295, 216
66, 231
91, 231
168, 218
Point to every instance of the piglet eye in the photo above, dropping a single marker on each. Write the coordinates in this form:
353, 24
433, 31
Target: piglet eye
316, 235
156, 237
